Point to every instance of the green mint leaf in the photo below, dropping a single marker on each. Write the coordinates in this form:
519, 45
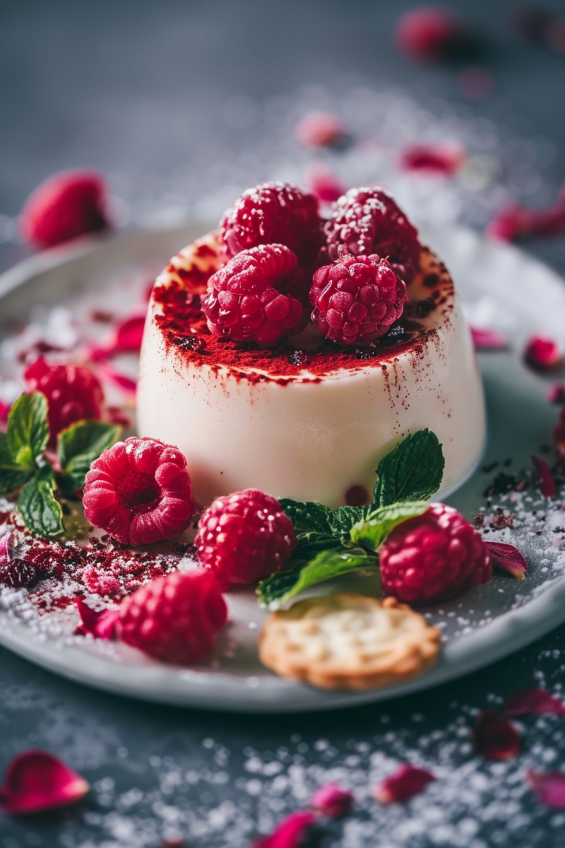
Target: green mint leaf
12, 476
279, 588
307, 517
80, 445
38, 506
372, 531
343, 518
412, 471
309, 544
28, 430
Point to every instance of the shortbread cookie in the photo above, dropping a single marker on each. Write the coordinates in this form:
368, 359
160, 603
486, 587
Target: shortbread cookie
348, 641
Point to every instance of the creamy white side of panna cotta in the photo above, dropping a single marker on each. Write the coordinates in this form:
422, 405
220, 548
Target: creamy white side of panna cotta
313, 435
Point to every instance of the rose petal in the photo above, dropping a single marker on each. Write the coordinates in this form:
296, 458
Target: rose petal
332, 800
556, 394
322, 182
101, 624
434, 158
406, 782
494, 737
535, 701
516, 223
36, 781
122, 381
289, 833
546, 481
126, 338
508, 558
549, 787
542, 352
558, 434
4, 412
320, 130
488, 339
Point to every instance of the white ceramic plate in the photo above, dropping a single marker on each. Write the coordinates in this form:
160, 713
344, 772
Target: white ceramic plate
501, 286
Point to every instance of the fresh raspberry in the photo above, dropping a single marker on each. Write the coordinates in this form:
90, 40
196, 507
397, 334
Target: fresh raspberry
430, 34
65, 206
247, 299
274, 213
73, 393
139, 492
356, 299
244, 537
174, 618
433, 557
366, 221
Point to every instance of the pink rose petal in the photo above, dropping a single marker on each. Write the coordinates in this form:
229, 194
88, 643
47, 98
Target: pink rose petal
549, 787
289, 833
508, 558
556, 394
542, 352
494, 737
127, 384
126, 338
324, 184
535, 701
36, 781
4, 413
488, 339
433, 158
406, 782
320, 130
101, 624
332, 800
516, 223
546, 481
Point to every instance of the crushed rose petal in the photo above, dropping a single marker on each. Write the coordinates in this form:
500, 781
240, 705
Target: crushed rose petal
289, 833
494, 737
100, 624
542, 352
406, 782
549, 787
535, 701
332, 800
36, 781
488, 339
508, 558
546, 481
433, 158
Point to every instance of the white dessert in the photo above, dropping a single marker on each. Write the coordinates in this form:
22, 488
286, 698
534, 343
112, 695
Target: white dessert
312, 431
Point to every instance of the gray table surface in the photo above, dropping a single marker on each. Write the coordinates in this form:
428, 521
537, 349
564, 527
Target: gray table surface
101, 84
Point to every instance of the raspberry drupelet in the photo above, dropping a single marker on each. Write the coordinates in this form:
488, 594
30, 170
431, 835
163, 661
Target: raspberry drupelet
433, 557
356, 299
248, 300
73, 393
175, 618
139, 492
366, 221
244, 537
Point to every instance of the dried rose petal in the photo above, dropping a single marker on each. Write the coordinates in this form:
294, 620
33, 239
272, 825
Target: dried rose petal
549, 787
431, 34
508, 558
542, 352
289, 833
516, 223
403, 784
494, 737
320, 130
4, 413
536, 701
127, 338
556, 394
488, 339
434, 158
36, 781
323, 184
332, 800
101, 625
127, 384
546, 481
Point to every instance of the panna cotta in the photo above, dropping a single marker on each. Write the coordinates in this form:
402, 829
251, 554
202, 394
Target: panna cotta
306, 419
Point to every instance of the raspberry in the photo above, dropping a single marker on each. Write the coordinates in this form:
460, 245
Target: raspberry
244, 537
65, 206
247, 299
366, 221
73, 393
433, 557
356, 299
274, 213
430, 34
139, 492
174, 618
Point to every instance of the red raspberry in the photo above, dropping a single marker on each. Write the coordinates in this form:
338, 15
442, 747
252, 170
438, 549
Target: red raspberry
429, 34
274, 213
247, 299
139, 492
433, 557
65, 206
174, 618
366, 221
356, 299
73, 393
244, 537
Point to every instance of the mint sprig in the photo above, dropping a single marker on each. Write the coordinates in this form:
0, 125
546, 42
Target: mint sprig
28, 430
411, 472
80, 445
373, 530
38, 506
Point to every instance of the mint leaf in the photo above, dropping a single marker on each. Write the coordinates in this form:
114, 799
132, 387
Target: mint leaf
412, 471
38, 506
343, 518
12, 476
28, 430
310, 544
373, 530
281, 587
80, 445
307, 517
